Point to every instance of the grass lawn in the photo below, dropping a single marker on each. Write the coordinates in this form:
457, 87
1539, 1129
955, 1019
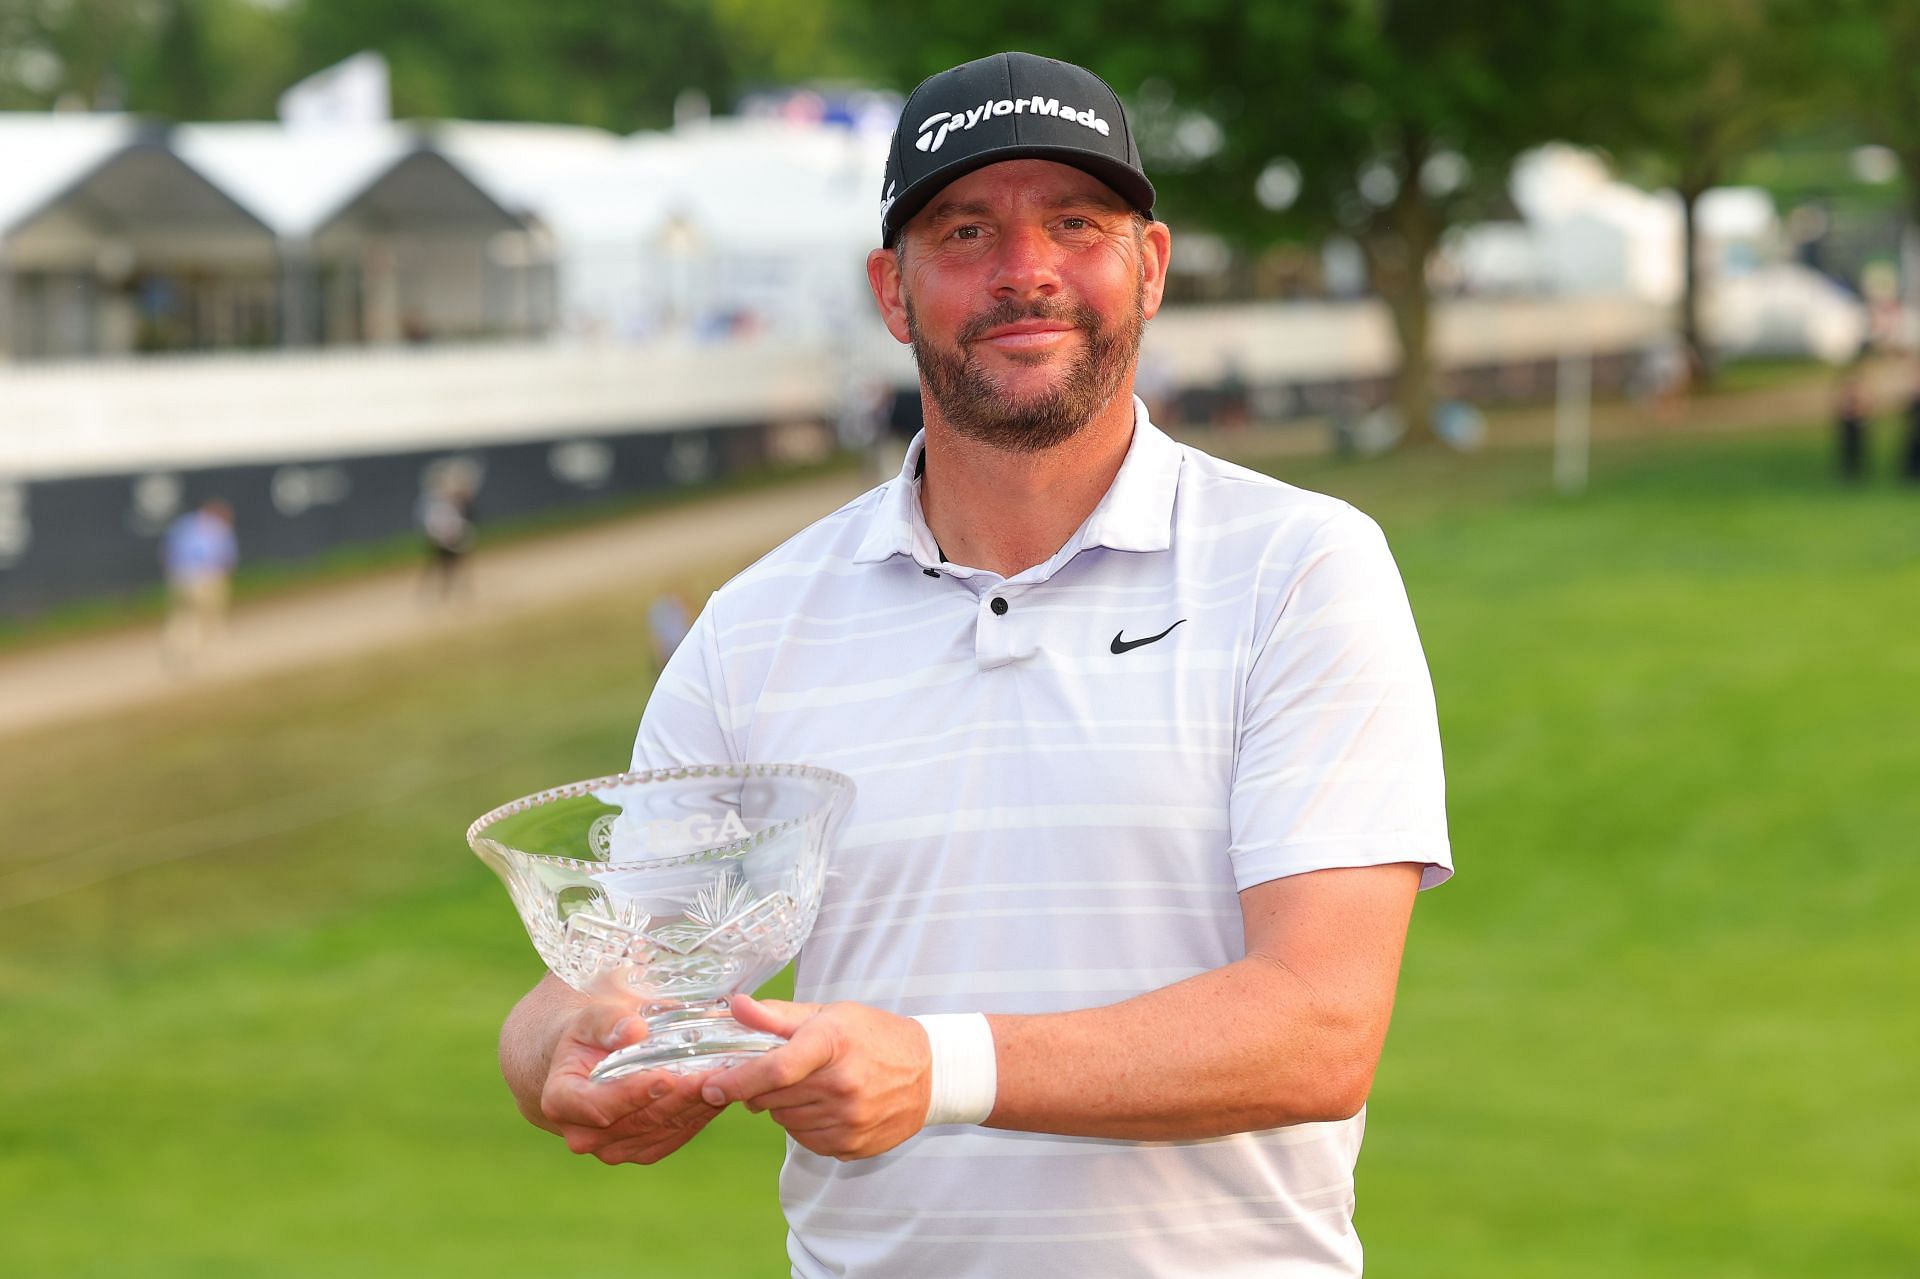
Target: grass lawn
1661, 1025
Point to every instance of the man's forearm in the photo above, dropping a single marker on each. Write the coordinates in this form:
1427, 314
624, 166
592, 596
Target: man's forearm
1237, 1049
1289, 1034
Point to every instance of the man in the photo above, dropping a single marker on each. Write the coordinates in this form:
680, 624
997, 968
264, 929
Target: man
445, 516
1148, 777
199, 554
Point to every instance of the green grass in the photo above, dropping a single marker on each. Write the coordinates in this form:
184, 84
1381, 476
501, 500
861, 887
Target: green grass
1660, 1026
1738, 377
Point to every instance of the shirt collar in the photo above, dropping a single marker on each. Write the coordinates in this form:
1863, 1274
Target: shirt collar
1135, 514
897, 526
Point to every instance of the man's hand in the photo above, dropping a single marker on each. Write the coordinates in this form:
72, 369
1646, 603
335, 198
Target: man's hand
851, 1082
550, 1045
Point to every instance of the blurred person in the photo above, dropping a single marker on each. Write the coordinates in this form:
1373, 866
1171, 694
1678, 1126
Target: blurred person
1910, 456
1148, 765
198, 553
1460, 425
1155, 384
1850, 410
668, 620
906, 418
1663, 376
1235, 406
445, 517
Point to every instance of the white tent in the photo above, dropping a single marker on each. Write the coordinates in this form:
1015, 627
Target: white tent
385, 236
1588, 234
109, 240
296, 180
44, 156
724, 221
573, 183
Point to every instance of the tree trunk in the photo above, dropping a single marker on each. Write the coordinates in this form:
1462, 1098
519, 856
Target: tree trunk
1413, 389
1700, 358
1399, 247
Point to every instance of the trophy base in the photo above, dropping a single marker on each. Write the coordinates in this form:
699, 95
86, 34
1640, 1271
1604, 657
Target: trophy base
690, 1039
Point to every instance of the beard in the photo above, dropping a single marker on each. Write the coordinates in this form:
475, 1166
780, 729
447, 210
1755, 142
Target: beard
979, 408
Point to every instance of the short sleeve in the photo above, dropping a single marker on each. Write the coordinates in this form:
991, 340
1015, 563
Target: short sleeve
687, 720
1339, 750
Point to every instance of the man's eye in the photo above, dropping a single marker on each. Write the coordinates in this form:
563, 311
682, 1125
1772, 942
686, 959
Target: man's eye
1075, 224
966, 233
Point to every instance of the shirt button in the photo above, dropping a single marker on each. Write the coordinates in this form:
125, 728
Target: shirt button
999, 607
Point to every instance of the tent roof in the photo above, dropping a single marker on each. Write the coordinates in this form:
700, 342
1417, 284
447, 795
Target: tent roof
48, 154
300, 181
741, 185
116, 173
769, 184
519, 162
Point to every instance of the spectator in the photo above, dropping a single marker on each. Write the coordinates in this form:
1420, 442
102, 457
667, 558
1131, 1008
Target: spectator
446, 518
199, 554
1850, 420
667, 623
1910, 459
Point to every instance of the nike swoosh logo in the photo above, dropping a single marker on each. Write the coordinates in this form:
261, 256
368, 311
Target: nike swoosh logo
1121, 646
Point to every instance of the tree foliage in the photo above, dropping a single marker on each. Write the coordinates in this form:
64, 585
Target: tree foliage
1383, 120
619, 66
1868, 56
1724, 77
1388, 121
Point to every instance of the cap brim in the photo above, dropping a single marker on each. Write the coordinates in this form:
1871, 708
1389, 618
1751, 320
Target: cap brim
1127, 183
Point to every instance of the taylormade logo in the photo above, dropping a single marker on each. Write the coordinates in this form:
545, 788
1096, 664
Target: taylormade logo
935, 128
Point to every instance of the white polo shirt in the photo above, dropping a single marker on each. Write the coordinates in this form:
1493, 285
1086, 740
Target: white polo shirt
1065, 777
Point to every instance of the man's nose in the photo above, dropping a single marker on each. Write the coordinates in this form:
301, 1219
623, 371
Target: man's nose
1026, 264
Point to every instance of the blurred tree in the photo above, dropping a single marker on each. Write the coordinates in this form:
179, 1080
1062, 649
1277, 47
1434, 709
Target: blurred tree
1723, 78
68, 52
1385, 121
242, 56
28, 67
1867, 55
1388, 121
569, 61
180, 59
790, 41
575, 61
180, 73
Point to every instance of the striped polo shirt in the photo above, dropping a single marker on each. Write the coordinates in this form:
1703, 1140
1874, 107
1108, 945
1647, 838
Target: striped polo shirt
1065, 777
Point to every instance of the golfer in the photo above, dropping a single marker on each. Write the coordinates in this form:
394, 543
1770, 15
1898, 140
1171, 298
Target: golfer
1148, 766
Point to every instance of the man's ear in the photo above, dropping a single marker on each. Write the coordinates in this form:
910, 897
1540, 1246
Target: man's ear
883, 277
1156, 249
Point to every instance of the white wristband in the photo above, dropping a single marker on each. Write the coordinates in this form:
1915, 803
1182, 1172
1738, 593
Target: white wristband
965, 1076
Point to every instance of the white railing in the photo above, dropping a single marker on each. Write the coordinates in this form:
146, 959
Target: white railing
178, 412
91, 418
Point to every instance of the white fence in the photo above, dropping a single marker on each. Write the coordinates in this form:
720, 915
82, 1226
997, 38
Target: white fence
182, 412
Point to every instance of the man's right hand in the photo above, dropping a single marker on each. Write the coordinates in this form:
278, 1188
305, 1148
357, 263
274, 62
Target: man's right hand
639, 1118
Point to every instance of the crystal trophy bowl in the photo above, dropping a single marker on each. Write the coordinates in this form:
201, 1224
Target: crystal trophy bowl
678, 887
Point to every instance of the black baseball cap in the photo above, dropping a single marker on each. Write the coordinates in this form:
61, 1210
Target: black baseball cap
1010, 106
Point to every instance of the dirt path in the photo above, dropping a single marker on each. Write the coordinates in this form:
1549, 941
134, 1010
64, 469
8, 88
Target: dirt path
97, 675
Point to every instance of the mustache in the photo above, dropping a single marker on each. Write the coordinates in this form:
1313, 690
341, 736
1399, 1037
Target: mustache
1078, 314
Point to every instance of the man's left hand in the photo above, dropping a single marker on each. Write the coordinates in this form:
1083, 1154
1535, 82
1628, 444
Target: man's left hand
851, 1081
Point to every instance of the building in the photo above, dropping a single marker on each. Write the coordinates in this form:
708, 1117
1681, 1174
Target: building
381, 238
111, 243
